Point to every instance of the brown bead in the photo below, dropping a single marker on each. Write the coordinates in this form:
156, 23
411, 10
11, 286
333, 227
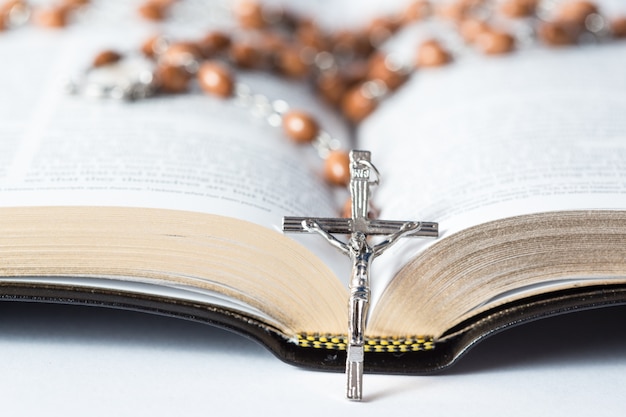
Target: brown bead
518, 8
152, 10
378, 69
337, 168
471, 28
494, 42
356, 106
351, 43
575, 12
213, 43
381, 28
311, 36
215, 79
417, 10
153, 46
299, 126
346, 210
290, 64
331, 87
53, 17
74, 4
249, 14
455, 10
172, 78
557, 34
181, 53
244, 55
618, 27
432, 54
105, 58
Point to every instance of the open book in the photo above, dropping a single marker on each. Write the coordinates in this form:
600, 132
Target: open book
173, 205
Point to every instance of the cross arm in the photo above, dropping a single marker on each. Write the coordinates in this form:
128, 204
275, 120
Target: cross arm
373, 227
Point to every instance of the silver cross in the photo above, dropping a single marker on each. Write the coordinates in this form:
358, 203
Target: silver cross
359, 226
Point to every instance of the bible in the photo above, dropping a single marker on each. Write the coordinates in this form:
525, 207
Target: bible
173, 205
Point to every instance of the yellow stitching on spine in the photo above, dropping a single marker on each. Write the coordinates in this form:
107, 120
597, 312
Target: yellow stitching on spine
372, 344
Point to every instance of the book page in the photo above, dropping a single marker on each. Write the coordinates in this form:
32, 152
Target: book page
492, 137
187, 151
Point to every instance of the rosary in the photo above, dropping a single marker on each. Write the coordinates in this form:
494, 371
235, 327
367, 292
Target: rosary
347, 69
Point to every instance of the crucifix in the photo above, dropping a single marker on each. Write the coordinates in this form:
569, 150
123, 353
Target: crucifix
363, 175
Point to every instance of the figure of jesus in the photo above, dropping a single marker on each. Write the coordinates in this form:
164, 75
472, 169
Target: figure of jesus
362, 255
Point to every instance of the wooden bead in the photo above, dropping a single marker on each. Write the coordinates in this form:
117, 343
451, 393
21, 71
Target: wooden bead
181, 53
618, 27
557, 34
575, 11
471, 28
337, 168
381, 28
74, 4
299, 126
290, 64
378, 69
310, 35
452, 10
346, 210
213, 43
172, 78
215, 79
249, 14
53, 17
106, 57
356, 106
518, 8
432, 54
331, 87
494, 42
417, 10
152, 10
244, 55
153, 46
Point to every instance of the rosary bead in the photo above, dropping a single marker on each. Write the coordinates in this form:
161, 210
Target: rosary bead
290, 64
455, 10
150, 47
495, 42
172, 78
308, 34
471, 28
432, 54
337, 168
518, 8
380, 29
618, 27
105, 58
575, 12
378, 69
356, 106
299, 126
181, 53
215, 79
557, 34
331, 87
54, 17
416, 11
213, 43
152, 10
249, 14
244, 55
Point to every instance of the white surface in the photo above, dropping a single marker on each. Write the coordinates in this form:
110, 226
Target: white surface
77, 361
